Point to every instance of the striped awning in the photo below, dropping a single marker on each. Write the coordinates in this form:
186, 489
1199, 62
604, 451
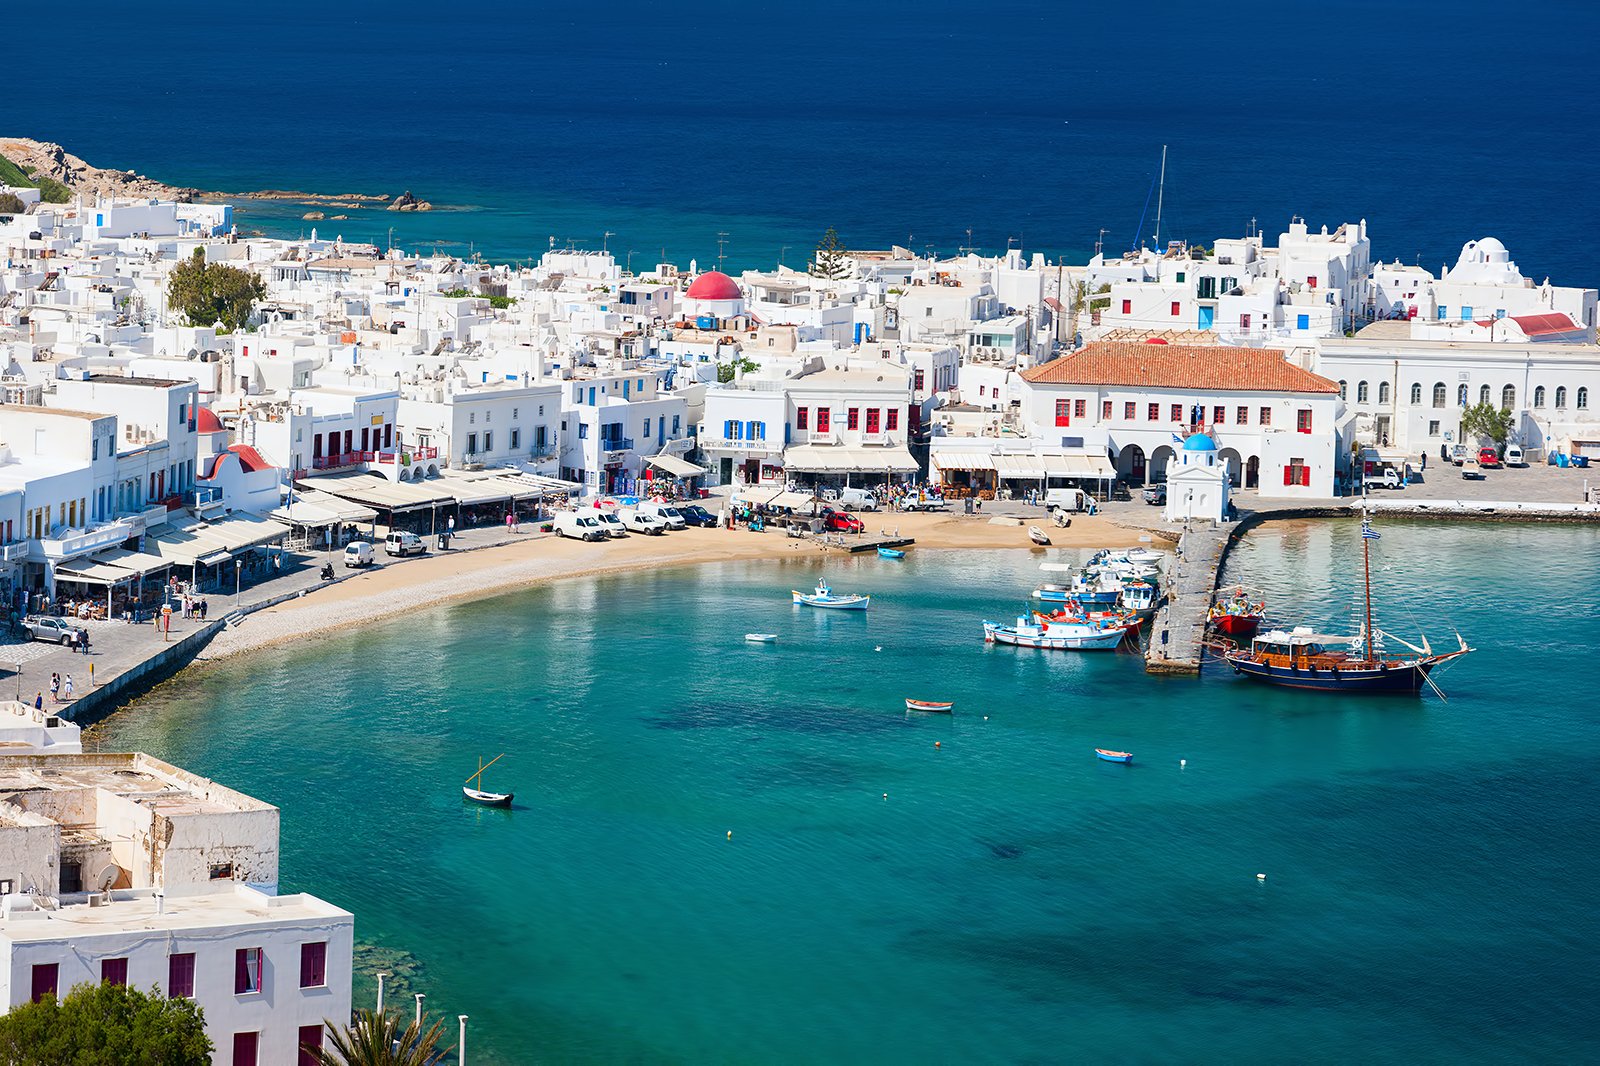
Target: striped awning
963, 460
1025, 465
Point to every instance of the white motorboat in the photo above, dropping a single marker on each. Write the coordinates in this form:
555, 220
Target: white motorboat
761, 638
824, 597
1055, 636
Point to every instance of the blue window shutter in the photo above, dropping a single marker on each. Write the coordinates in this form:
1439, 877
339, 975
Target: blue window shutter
1303, 322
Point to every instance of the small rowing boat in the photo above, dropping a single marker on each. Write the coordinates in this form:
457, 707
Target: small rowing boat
487, 799
1114, 756
891, 553
929, 705
824, 597
1038, 536
761, 638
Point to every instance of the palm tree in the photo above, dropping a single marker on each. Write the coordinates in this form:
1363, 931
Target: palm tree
374, 1039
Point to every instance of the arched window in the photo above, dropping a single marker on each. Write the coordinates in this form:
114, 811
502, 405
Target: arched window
1583, 399
1361, 392
1416, 394
1538, 396
1508, 397
1383, 392
1344, 391
1461, 396
1561, 397
1438, 394
1483, 394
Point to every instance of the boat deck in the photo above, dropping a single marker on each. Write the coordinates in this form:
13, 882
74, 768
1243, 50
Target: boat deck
866, 542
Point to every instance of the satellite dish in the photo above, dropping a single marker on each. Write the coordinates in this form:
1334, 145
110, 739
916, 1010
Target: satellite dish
107, 879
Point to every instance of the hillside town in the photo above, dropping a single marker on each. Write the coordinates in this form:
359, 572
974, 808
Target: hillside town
372, 392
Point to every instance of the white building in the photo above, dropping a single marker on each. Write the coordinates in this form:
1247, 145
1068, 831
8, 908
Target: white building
1197, 484
124, 869
1276, 426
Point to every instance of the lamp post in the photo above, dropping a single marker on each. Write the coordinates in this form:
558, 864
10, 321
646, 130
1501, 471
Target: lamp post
461, 1041
381, 976
238, 581
420, 997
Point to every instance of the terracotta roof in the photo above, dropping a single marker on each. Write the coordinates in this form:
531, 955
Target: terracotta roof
1212, 368
1540, 325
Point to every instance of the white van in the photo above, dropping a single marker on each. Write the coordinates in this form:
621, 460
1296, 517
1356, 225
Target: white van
579, 525
857, 500
1064, 499
669, 515
639, 521
1514, 456
611, 524
358, 553
404, 544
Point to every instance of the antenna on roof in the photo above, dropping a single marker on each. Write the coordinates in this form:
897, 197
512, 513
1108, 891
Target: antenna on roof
604, 237
1160, 196
722, 247
1099, 245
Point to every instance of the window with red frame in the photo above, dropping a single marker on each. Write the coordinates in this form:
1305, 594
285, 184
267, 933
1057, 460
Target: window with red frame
1127, 307
1177, 412
1128, 409
314, 964
1105, 409
874, 420
1176, 306
180, 975
1063, 412
824, 419
917, 381
247, 970
894, 418
1154, 413
1266, 416
1242, 416
1303, 420
1219, 415
1079, 408
802, 416
852, 418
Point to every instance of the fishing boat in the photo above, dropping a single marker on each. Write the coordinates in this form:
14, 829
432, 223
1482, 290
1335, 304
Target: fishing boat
1301, 658
1038, 536
1102, 589
487, 799
823, 597
1054, 636
1140, 597
1237, 616
929, 705
1112, 619
761, 638
891, 553
1114, 756
1053, 593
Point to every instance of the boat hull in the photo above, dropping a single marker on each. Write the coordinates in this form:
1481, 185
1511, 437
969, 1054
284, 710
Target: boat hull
487, 799
833, 603
890, 553
1123, 757
1098, 640
932, 706
1407, 677
761, 638
1237, 625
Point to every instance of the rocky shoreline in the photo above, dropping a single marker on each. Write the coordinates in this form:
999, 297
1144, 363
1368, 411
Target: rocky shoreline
44, 159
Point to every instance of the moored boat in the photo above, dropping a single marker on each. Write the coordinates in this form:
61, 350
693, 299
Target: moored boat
891, 553
479, 796
1140, 597
761, 638
935, 706
1054, 636
1114, 756
1301, 658
1237, 616
824, 597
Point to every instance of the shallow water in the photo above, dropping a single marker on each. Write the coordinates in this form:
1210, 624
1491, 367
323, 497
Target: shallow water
1431, 866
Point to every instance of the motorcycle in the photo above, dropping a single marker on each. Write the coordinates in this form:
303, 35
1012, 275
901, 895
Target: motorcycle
327, 571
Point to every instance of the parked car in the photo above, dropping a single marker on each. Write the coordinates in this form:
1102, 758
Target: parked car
695, 515
1074, 499
1155, 495
51, 628
1392, 479
665, 513
1488, 458
1514, 456
642, 522
1460, 454
579, 524
841, 521
857, 500
931, 503
611, 523
358, 553
404, 544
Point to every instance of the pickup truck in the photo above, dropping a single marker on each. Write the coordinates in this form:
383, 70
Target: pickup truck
48, 627
932, 503
1155, 494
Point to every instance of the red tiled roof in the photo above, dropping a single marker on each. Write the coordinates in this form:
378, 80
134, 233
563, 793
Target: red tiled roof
249, 458
1212, 368
1542, 325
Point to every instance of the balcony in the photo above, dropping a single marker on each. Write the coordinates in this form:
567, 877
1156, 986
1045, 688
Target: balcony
617, 444
13, 553
73, 543
729, 444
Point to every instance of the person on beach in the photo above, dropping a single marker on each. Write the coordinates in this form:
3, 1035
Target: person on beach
69, 686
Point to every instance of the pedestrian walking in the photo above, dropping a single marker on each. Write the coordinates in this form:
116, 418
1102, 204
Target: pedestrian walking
55, 688
204, 609
69, 686
38, 702
1424, 460
83, 641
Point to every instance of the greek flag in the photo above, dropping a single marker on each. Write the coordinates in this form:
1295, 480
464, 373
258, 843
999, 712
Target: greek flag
1177, 439
1369, 533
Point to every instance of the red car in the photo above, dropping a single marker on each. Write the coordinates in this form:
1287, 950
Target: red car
841, 521
1488, 457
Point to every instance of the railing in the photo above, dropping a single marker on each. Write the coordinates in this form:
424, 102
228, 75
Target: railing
617, 444
13, 552
411, 455
736, 445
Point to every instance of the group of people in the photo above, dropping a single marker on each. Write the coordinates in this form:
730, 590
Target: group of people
60, 690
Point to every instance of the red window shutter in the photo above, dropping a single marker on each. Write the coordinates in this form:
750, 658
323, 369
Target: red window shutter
1177, 412
310, 1044
894, 418
1105, 409
1305, 475
114, 971
45, 975
1175, 306
1288, 475
313, 964
245, 1048
1127, 307
800, 417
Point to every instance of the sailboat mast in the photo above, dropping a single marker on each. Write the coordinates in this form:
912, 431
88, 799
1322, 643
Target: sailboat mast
1366, 559
1161, 196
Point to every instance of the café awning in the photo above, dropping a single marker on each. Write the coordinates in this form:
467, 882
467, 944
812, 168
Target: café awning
834, 458
675, 466
963, 460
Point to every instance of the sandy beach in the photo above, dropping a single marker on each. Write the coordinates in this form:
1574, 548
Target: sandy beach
441, 578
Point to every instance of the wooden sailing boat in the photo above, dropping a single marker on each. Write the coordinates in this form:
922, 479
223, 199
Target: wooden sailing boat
488, 799
1303, 659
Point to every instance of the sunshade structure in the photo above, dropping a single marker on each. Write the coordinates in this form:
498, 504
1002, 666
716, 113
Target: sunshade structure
838, 459
675, 466
189, 541
313, 509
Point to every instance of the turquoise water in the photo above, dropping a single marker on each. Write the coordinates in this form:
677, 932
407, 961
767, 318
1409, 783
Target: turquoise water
1431, 867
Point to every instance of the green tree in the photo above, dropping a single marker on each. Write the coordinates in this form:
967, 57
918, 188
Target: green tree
213, 292
725, 371
1487, 420
832, 260
105, 1025
371, 1040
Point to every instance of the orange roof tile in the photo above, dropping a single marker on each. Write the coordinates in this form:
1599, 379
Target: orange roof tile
1209, 368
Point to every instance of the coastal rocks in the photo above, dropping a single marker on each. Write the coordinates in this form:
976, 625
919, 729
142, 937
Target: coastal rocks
315, 216
43, 159
407, 202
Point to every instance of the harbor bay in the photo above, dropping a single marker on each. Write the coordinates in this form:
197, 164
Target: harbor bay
976, 886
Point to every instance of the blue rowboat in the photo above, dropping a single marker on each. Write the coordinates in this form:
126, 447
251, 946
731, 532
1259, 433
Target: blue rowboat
890, 553
1114, 756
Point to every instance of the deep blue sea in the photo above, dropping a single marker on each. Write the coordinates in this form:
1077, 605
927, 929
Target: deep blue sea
1034, 124
923, 888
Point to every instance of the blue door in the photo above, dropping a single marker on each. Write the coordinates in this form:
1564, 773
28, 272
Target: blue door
1206, 315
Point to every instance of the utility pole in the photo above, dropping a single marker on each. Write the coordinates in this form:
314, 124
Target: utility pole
1099, 245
